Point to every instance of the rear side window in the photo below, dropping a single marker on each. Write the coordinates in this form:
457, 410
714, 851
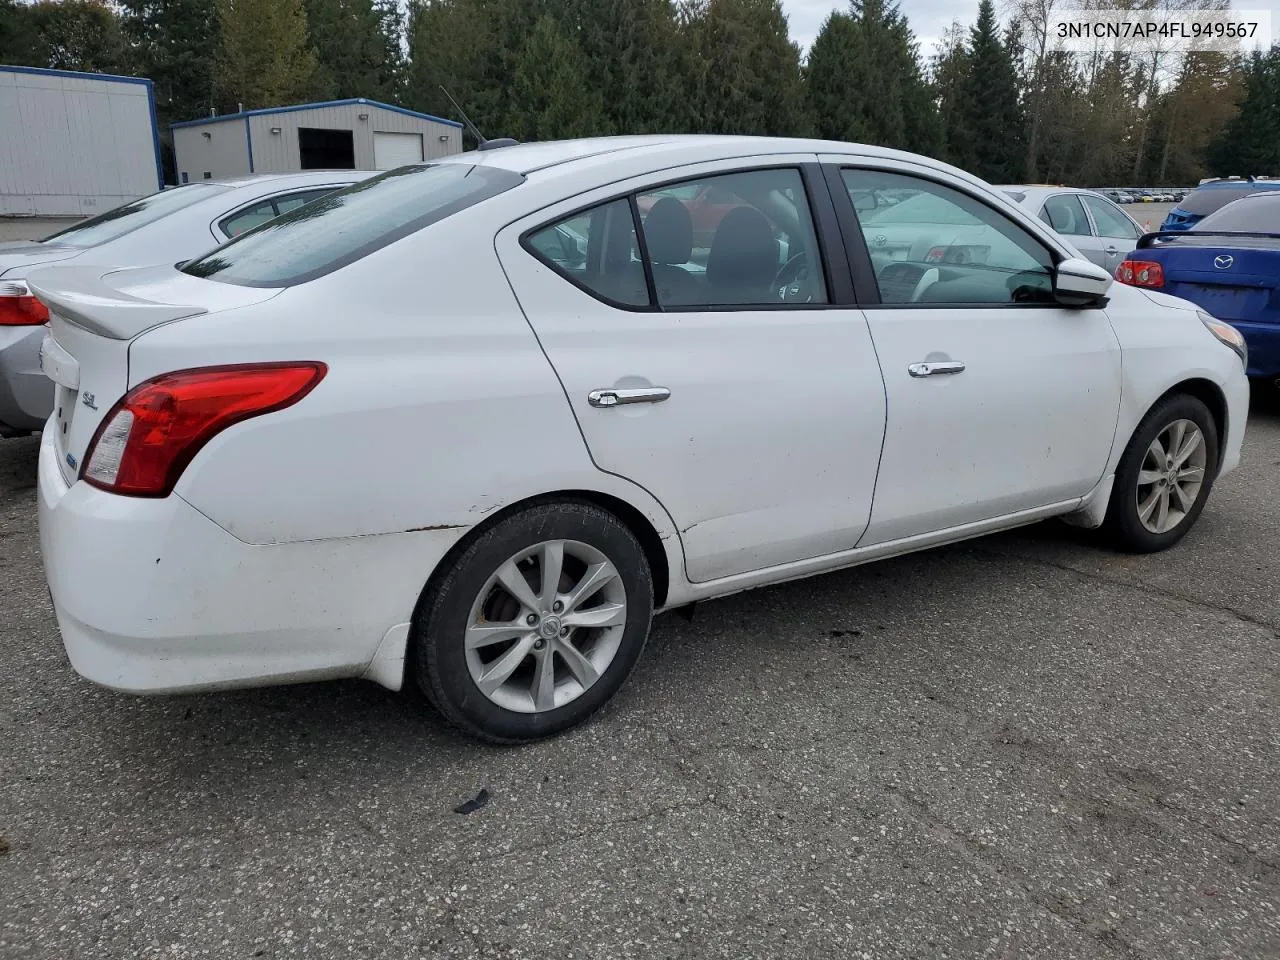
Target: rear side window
1111, 222
342, 227
1257, 214
1064, 213
597, 250
242, 221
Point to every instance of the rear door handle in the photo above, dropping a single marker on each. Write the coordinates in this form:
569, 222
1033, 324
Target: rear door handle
935, 368
1112, 251
616, 396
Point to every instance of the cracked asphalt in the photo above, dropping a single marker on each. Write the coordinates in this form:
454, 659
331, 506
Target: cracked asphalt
1022, 746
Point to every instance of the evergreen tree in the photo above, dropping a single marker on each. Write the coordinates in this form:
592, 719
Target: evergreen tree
747, 69
349, 46
79, 35
1250, 143
633, 54
991, 106
19, 41
864, 80
391, 33
175, 43
453, 43
265, 59
553, 96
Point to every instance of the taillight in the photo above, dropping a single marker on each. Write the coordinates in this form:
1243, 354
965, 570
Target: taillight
1140, 273
148, 438
18, 308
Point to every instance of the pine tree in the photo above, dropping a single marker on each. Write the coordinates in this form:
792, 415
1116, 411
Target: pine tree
454, 44
175, 43
265, 59
349, 49
394, 66
1250, 143
553, 98
864, 80
991, 106
747, 78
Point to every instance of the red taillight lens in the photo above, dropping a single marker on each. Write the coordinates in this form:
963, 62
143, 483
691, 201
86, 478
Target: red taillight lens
1140, 273
18, 308
148, 438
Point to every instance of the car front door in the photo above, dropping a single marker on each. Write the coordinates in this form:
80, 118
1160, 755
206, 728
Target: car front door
1000, 402
1114, 227
728, 375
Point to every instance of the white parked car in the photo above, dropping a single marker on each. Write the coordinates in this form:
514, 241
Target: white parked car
1090, 222
165, 227
467, 425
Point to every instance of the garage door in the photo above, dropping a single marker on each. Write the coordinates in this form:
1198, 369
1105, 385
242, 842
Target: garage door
391, 150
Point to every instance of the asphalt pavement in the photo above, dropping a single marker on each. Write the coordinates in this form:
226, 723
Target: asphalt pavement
1023, 746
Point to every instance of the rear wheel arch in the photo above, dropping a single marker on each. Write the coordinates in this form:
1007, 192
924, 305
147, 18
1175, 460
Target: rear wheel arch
639, 525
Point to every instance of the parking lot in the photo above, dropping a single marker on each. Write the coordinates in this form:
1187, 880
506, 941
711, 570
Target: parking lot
1023, 746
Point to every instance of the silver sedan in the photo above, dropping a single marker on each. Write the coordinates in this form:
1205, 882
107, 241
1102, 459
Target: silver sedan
166, 227
1090, 222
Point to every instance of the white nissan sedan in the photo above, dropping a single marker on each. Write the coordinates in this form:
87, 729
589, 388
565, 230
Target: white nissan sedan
468, 424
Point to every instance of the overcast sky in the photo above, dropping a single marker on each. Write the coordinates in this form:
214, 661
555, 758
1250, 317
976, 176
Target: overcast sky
930, 18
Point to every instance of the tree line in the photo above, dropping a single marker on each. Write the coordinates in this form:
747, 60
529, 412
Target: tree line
994, 97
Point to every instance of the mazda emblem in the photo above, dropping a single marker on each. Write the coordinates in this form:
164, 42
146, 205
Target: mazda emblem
1223, 262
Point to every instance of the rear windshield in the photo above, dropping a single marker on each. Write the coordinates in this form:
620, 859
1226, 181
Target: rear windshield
1208, 199
344, 226
129, 217
1255, 214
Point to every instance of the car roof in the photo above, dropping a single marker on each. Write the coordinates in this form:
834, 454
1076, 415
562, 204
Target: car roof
298, 178
525, 158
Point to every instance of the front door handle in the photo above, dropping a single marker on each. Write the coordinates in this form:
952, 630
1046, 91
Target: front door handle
617, 396
1112, 251
934, 368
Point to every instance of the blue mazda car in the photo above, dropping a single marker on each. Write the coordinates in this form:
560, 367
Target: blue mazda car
1229, 265
1211, 197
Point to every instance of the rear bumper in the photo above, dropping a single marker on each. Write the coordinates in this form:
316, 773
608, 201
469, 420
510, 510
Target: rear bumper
152, 597
1263, 340
26, 394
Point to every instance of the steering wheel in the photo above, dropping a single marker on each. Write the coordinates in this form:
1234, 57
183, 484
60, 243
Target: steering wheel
791, 282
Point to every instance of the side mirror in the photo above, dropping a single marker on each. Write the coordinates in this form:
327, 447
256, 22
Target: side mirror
1080, 283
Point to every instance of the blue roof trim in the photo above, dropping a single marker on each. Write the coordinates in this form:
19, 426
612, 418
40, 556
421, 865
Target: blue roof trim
79, 74
113, 78
313, 106
248, 142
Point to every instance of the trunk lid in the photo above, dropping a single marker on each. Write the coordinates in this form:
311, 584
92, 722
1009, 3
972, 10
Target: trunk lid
1233, 277
18, 256
93, 317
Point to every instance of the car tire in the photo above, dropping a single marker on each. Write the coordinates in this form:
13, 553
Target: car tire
1158, 493
490, 650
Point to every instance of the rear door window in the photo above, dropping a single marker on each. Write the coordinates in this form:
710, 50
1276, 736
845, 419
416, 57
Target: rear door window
1064, 213
342, 227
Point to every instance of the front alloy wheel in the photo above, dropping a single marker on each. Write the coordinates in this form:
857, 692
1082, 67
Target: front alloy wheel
1164, 476
1173, 471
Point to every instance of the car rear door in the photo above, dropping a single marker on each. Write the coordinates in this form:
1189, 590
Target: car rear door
733, 381
1116, 229
1065, 213
1000, 402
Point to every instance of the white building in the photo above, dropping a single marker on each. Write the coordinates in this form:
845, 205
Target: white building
354, 134
75, 144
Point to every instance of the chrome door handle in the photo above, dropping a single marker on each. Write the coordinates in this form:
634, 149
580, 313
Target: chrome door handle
1112, 251
620, 395
935, 367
